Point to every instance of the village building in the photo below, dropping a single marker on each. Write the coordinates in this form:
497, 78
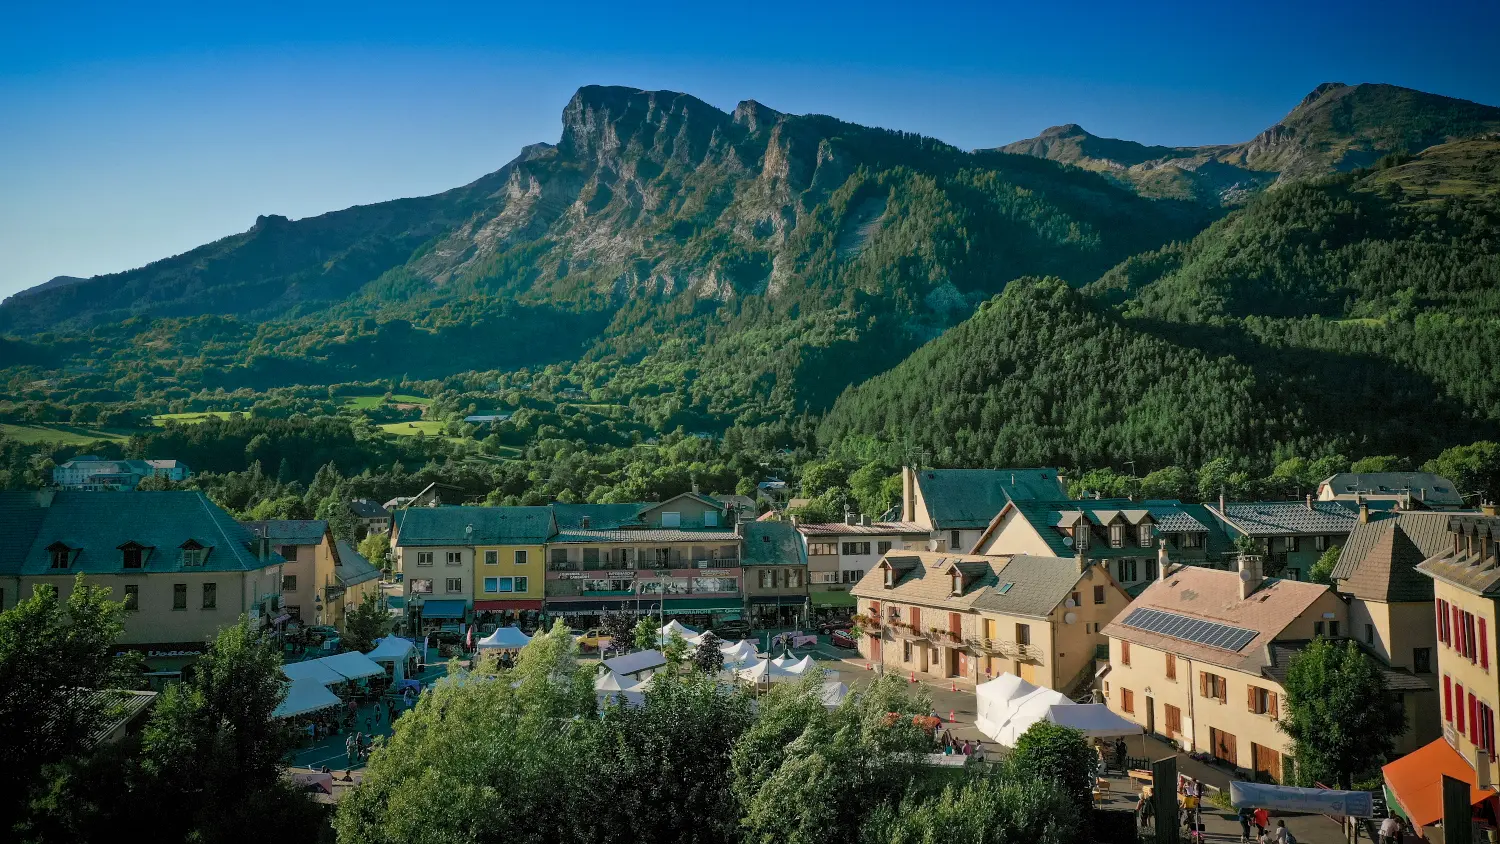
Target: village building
840, 554
775, 571
1291, 535
311, 556
956, 505
1403, 490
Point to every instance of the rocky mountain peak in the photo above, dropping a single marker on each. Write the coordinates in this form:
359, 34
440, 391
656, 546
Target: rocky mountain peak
1067, 130
1318, 92
601, 122
753, 115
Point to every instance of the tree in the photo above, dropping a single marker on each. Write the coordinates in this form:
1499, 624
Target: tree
708, 658
645, 635
1474, 468
872, 486
1049, 751
620, 631
365, 623
1381, 463
1169, 482
377, 549
675, 649
341, 522
820, 476
1001, 808
1341, 717
1322, 570
51, 654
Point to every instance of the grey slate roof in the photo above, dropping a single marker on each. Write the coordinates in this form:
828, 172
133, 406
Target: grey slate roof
124, 706
875, 529
772, 544
432, 526
353, 568
970, 498
577, 535
1428, 531
96, 524
1287, 518
364, 508
1464, 569
636, 662
1388, 572
1424, 487
1170, 517
600, 516
1039, 585
289, 531
1396, 679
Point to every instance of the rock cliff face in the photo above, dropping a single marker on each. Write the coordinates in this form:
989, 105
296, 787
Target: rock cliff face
1336, 127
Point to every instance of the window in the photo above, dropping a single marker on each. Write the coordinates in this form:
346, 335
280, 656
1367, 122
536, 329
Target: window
1124, 653
1212, 685
192, 557
421, 586
1081, 536
520, 557
1369, 634
455, 584
1098, 594
132, 597
1117, 536
521, 583
591, 556
671, 520
492, 584
1486, 728
1171, 666
794, 578
289, 553
822, 549
455, 558
1174, 721
1458, 706
711, 518
1421, 660
210, 596
1333, 629
906, 650
1127, 701
134, 556
1023, 635
1151, 569
850, 575
890, 577
856, 548
955, 541
1127, 569
1447, 698
882, 547
766, 578
559, 555
492, 558
60, 555
1291, 544
1077, 599
1192, 540
506, 584
289, 583
1320, 543
424, 558
179, 596
1263, 702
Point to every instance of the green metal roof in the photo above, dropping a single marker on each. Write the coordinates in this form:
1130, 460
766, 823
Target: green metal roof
428, 526
970, 498
289, 531
773, 544
353, 567
601, 516
1170, 517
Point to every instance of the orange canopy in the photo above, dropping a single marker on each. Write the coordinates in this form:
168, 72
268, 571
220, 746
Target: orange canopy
1416, 780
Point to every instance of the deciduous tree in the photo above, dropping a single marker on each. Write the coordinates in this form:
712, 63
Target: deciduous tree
1342, 718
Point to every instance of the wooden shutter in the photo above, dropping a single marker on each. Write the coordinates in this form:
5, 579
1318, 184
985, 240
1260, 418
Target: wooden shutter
1441, 616
1473, 718
1275, 703
1458, 706
1458, 629
916, 618
1203, 683
1484, 646
955, 623
1448, 698
1223, 691
1125, 653
1171, 666
1250, 697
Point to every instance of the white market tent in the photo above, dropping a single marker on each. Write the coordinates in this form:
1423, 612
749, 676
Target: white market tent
395, 651
674, 626
314, 669
994, 700
1094, 720
304, 696
510, 638
354, 665
764, 671
1027, 711
801, 666
834, 693
609, 681
784, 662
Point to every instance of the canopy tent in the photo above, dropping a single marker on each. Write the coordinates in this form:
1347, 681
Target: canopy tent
396, 652
623, 697
801, 666
1092, 719
609, 681
785, 661
766, 671
510, 638
304, 696
1416, 781
354, 665
674, 626
314, 669
834, 693
993, 701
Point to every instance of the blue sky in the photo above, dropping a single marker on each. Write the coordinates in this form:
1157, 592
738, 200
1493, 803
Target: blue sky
133, 131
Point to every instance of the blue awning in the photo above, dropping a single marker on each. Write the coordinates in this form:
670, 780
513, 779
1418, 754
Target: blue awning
443, 609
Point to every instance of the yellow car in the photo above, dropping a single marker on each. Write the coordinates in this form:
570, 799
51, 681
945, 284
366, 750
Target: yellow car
593, 640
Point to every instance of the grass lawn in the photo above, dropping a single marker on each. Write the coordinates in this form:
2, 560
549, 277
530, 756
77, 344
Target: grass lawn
190, 418
63, 434
431, 428
367, 402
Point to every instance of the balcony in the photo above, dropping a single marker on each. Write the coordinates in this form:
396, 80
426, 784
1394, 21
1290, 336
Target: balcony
666, 561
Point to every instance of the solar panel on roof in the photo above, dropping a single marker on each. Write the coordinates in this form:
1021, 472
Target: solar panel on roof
1189, 629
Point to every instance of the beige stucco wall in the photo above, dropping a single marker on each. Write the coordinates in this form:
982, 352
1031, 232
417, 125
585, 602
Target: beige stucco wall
1473, 677
314, 570
534, 570
155, 621
439, 572
1015, 535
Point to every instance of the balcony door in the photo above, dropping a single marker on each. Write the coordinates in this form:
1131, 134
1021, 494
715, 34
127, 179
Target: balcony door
1029, 672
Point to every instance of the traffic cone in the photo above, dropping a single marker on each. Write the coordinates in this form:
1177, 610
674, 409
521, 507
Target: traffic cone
867, 666
951, 719
913, 677
952, 686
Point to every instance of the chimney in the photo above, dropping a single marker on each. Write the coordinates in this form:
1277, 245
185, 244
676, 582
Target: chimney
1221, 500
908, 494
1081, 561
1488, 508
850, 518
864, 520
796, 520
1163, 562
695, 487
1309, 501
1364, 511
1250, 576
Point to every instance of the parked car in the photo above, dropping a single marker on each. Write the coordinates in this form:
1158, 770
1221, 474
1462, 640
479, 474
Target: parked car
731, 631
826, 628
444, 637
843, 639
593, 640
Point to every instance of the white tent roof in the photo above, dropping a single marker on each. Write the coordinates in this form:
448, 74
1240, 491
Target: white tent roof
609, 681
391, 648
305, 695
1095, 720
674, 626
764, 669
506, 638
314, 669
1005, 723
834, 693
801, 666
354, 665
784, 661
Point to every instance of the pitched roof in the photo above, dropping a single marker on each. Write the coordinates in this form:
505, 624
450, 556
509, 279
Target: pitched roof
353, 568
772, 544
872, 529
1213, 595
970, 498
289, 531
1386, 566
1048, 518
95, 524
1465, 569
21, 516
637, 662
600, 516
364, 508
1424, 487
431, 526
1396, 679
578, 535
1282, 518
1036, 584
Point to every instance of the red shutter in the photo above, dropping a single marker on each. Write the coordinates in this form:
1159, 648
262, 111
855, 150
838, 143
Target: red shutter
1448, 698
1473, 719
1442, 621
1458, 705
1484, 646
1457, 631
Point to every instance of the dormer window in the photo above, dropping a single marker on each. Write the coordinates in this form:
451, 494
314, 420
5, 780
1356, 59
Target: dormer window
711, 518
1117, 536
133, 555
890, 577
958, 583
1081, 536
60, 554
1143, 534
193, 553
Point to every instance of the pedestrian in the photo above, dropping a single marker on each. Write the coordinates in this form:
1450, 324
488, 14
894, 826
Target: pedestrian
378, 711
1120, 754
1150, 816
1284, 835
1140, 810
1262, 820
349, 750
1390, 830
367, 724
1245, 816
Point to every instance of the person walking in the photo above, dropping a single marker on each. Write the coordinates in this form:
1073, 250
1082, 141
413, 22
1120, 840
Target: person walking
1262, 820
1390, 830
1245, 816
349, 750
1120, 754
1284, 835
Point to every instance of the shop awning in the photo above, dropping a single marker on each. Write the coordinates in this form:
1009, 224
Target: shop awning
514, 606
703, 605
622, 605
778, 600
1416, 781
826, 598
443, 609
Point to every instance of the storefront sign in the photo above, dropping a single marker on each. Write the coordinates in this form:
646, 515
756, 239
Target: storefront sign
621, 574
570, 575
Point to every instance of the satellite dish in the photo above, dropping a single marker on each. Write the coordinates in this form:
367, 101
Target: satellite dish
1245, 574
1069, 618
1070, 603
1068, 541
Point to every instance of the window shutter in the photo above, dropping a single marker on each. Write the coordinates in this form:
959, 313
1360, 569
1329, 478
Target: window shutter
1448, 698
1223, 691
1272, 699
1442, 607
1203, 683
1484, 646
1250, 697
1473, 718
1458, 705
1458, 630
